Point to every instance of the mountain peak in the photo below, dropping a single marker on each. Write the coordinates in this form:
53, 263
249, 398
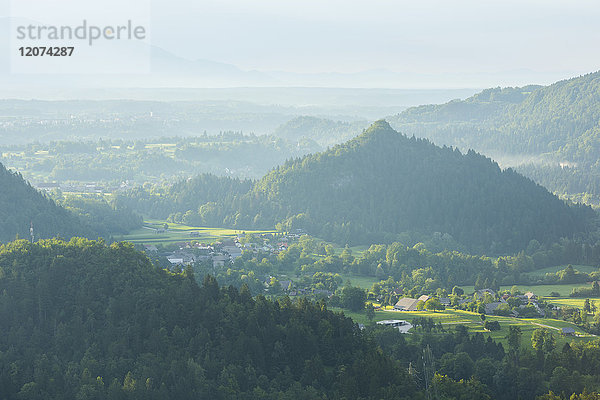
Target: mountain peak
381, 185
380, 125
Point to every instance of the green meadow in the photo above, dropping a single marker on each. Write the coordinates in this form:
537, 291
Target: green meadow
151, 233
541, 290
449, 318
364, 282
356, 250
572, 302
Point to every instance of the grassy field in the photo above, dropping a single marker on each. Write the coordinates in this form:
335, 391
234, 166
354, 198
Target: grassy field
540, 290
472, 321
544, 290
571, 302
178, 233
364, 282
356, 250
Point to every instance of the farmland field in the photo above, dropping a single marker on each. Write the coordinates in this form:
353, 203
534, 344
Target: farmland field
356, 250
364, 282
473, 322
572, 302
540, 290
151, 233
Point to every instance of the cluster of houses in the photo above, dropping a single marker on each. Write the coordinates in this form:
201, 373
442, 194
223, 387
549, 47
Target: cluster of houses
221, 253
188, 254
524, 300
288, 287
84, 187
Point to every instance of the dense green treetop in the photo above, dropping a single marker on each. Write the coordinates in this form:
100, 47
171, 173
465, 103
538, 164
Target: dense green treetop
84, 320
21, 205
549, 127
561, 118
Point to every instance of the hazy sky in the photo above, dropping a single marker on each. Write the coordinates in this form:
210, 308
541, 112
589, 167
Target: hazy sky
429, 43
351, 35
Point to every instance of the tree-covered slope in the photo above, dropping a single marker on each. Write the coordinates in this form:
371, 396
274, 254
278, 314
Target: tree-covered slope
185, 199
81, 320
547, 126
21, 205
383, 183
562, 119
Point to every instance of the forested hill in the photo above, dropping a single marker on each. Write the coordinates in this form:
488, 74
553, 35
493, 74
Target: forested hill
21, 204
551, 132
191, 201
562, 119
382, 183
81, 320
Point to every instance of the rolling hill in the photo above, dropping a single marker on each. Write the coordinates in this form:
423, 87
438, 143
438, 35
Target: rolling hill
560, 120
382, 185
551, 132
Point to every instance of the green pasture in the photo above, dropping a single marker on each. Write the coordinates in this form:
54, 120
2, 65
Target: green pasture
449, 318
178, 233
356, 250
571, 302
540, 290
364, 282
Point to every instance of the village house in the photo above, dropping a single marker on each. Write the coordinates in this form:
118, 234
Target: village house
424, 298
202, 246
490, 308
445, 301
568, 331
403, 326
530, 296
150, 248
219, 260
233, 251
406, 304
481, 293
181, 257
394, 323
175, 260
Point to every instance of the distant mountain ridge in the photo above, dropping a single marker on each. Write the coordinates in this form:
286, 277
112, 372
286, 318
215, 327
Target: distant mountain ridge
555, 120
551, 132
